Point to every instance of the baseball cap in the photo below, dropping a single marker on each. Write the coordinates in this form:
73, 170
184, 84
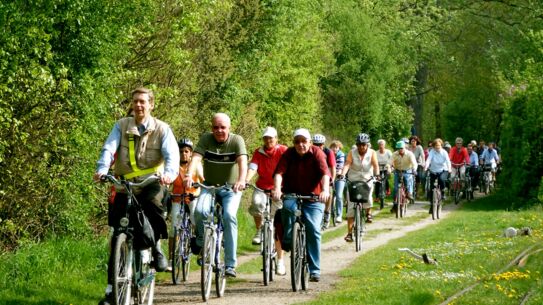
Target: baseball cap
270, 132
302, 132
400, 144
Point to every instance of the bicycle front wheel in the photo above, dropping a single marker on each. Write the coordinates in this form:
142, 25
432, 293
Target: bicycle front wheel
304, 276
296, 257
207, 263
176, 256
123, 256
266, 253
403, 204
435, 203
146, 284
359, 226
185, 250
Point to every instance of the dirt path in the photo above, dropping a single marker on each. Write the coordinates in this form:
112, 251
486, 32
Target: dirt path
335, 256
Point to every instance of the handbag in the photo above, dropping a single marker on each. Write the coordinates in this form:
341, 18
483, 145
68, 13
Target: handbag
144, 235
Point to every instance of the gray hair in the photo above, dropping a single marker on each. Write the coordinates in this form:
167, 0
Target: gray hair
381, 141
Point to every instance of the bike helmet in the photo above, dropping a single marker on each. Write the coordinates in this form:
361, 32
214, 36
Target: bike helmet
362, 138
318, 139
405, 140
185, 142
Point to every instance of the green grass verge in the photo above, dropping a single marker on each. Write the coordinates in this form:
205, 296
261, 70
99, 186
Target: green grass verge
469, 248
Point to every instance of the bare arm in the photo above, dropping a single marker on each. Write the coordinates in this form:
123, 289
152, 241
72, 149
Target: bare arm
196, 159
241, 160
277, 181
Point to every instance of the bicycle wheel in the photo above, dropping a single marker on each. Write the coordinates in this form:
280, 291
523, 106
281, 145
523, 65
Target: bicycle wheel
208, 252
435, 203
359, 226
123, 256
146, 284
333, 211
185, 251
398, 202
403, 203
296, 257
220, 276
266, 253
304, 276
439, 203
176, 256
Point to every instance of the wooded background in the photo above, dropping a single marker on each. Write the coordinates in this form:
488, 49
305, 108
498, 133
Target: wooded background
469, 68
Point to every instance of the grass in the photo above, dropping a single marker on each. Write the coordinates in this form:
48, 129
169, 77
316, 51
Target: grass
469, 248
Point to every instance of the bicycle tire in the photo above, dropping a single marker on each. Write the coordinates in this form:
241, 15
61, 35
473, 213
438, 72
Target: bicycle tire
359, 227
123, 256
176, 257
207, 263
296, 258
304, 276
403, 204
398, 202
266, 253
333, 211
186, 252
220, 268
435, 203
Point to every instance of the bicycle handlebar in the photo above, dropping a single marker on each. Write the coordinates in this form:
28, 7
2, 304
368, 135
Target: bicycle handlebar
143, 183
225, 186
298, 196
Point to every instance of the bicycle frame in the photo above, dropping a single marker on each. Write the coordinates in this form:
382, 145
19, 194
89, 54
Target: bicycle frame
183, 232
401, 194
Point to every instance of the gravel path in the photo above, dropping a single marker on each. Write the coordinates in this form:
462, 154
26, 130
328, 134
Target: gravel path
335, 256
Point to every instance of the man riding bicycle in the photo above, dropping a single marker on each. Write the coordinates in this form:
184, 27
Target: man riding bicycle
459, 157
225, 161
405, 165
263, 163
143, 146
303, 170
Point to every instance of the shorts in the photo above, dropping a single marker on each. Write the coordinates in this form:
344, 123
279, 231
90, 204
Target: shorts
258, 204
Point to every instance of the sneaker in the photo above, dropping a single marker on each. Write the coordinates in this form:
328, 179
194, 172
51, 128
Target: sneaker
230, 272
325, 224
339, 219
107, 300
256, 238
199, 259
194, 248
168, 269
280, 268
314, 278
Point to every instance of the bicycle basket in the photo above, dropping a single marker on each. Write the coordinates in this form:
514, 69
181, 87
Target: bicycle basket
359, 191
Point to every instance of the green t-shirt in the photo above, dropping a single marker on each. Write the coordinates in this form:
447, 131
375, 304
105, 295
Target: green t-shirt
220, 158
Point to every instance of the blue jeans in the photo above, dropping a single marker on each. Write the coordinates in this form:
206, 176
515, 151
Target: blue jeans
339, 185
312, 217
230, 204
407, 180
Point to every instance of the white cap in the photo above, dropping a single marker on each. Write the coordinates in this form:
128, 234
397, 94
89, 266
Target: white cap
302, 132
270, 132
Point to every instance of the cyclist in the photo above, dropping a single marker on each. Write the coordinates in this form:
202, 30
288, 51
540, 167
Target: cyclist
384, 156
447, 146
459, 157
339, 183
225, 160
185, 151
264, 161
439, 164
303, 170
361, 165
490, 158
318, 140
482, 147
404, 163
474, 165
143, 146
418, 151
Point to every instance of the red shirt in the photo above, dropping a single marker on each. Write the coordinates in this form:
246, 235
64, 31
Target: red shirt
458, 156
330, 158
302, 174
267, 160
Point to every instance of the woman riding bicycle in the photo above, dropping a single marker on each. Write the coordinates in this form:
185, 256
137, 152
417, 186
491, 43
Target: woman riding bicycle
339, 184
361, 165
418, 151
384, 156
439, 164
185, 153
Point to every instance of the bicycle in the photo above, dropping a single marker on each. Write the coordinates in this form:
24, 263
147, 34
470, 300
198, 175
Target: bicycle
401, 195
457, 186
299, 264
383, 177
468, 188
487, 181
181, 237
436, 198
360, 212
212, 259
133, 276
267, 245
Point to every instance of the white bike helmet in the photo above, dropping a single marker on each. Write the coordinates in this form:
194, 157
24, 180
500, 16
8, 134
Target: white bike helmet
318, 139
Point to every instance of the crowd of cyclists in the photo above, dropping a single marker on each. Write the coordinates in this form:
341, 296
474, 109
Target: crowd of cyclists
141, 145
